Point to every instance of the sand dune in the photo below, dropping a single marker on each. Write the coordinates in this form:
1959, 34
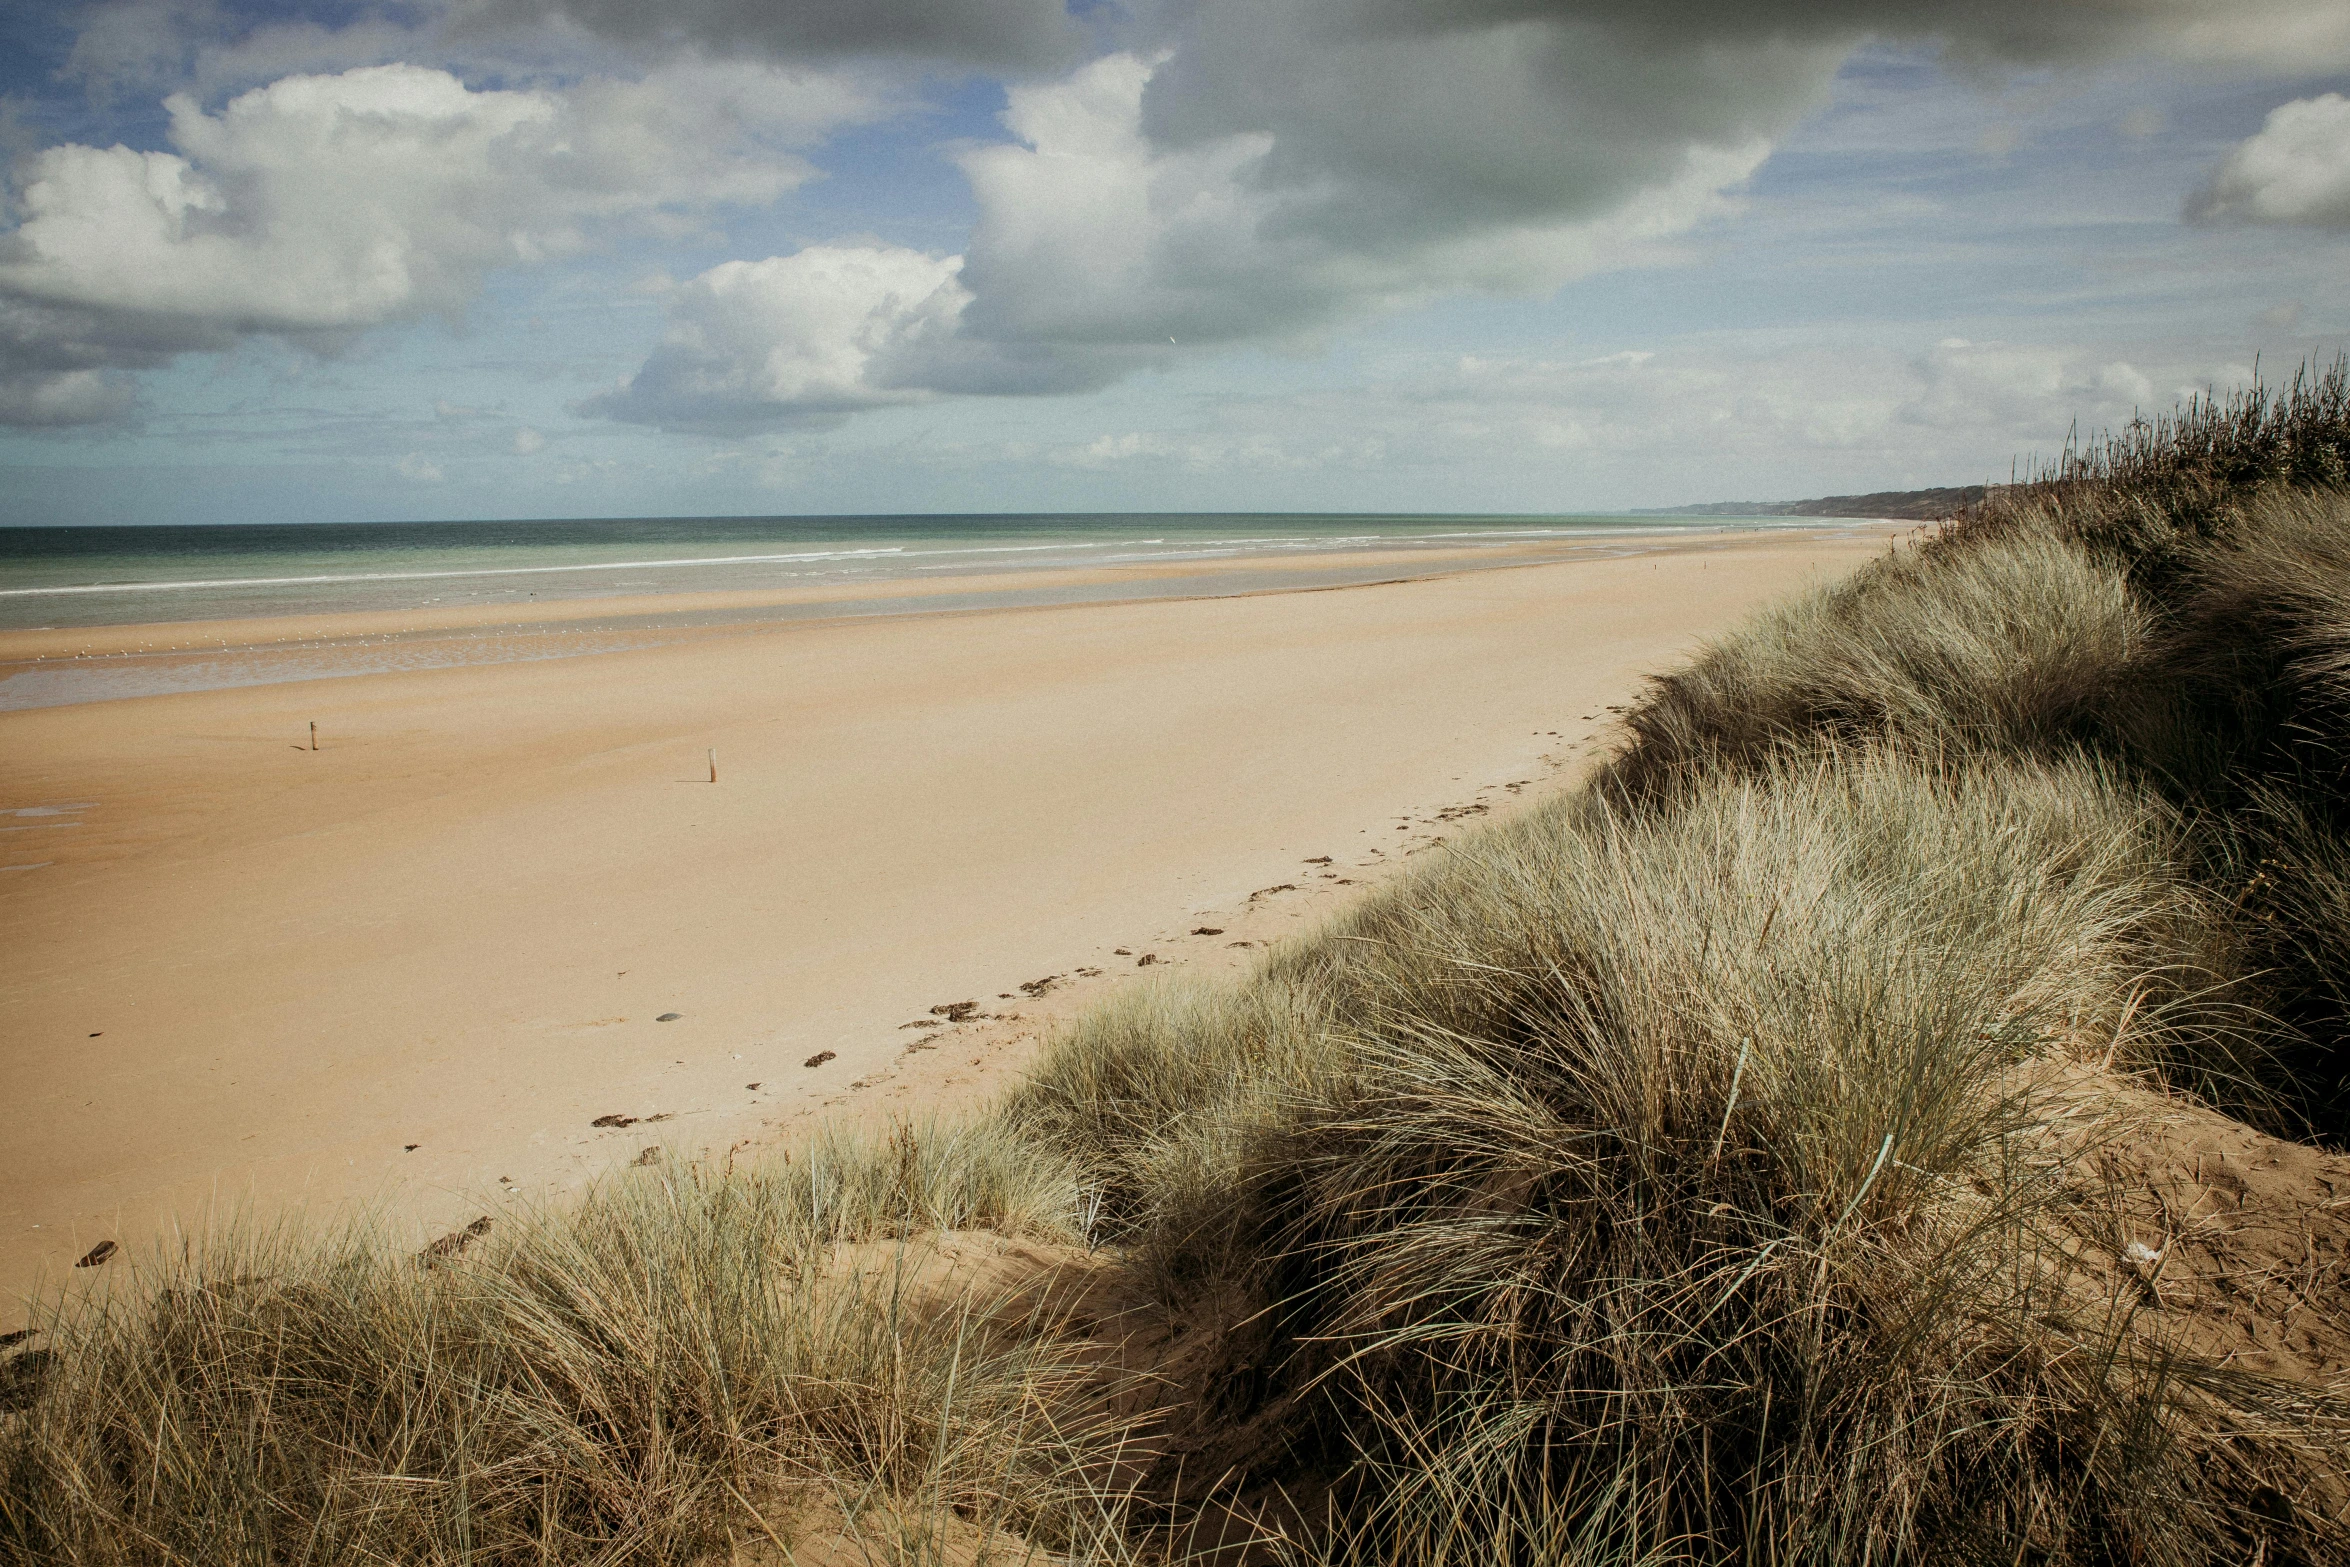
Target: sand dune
417, 965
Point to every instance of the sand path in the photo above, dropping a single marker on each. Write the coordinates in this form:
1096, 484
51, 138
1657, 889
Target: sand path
242, 971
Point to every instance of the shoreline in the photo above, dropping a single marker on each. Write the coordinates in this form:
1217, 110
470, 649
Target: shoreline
59, 666
244, 976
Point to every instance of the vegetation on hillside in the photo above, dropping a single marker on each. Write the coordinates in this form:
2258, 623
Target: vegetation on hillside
1892, 1114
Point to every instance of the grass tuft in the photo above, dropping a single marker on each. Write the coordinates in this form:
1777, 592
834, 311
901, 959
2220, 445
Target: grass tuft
683, 1360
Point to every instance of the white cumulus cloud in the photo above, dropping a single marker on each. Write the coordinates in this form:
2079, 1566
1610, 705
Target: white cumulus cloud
793, 339
2295, 170
324, 205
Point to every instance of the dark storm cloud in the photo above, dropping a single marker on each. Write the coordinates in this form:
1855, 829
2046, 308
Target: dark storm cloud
1011, 35
65, 366
2035, 32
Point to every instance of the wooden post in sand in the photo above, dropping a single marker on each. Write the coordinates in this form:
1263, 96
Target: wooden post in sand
314, 734
713, 764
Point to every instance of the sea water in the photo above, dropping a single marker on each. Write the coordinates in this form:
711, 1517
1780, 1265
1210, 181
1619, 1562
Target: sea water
99, 576
609, 580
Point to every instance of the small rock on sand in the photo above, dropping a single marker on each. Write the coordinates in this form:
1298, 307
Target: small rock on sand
97, 1255
1207, 930
753, 1087
820, 1057
649, 1156
1146, 960
669, 1017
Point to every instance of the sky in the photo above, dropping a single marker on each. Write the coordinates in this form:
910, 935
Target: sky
572, 258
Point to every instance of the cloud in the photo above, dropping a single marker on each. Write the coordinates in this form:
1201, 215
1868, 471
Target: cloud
797, 339
2292, 34
39, 398
319, 206
1229, 172
1003, 34
1098, 250
132, 46
1703, 418
1263, 180
1270, 171
2296, 170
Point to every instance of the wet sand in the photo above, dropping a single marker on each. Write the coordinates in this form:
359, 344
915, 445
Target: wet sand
415, 966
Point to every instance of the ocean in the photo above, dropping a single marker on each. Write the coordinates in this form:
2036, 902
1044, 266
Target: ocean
610, 577
101, 576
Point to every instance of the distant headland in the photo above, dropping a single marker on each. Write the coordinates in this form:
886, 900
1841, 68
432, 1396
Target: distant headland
1923, 505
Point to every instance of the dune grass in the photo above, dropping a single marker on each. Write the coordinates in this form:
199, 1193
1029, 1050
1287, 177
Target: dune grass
1672, 1185
2016, 644
1707, 1166
2148, 495
677, 1361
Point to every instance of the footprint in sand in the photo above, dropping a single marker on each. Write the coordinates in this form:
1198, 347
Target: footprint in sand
613, 1120
820, 1057
97, 1255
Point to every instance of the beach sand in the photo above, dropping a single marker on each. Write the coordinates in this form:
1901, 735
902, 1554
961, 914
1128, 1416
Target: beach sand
414, 967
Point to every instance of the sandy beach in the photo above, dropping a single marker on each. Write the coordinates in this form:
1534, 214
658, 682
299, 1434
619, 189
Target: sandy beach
416, 966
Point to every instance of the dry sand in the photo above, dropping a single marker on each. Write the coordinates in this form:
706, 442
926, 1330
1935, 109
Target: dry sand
415, 966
